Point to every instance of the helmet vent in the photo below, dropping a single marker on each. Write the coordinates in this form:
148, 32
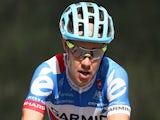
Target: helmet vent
80, 14
91, 19
81, 29
100, 31
70, 24
63, 23
90, 9
101, 15
109, 28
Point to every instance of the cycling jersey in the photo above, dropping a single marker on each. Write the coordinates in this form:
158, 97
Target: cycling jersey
52, 89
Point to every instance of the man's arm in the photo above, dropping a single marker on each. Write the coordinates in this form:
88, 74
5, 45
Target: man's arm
118, 117
28, 114
119, 106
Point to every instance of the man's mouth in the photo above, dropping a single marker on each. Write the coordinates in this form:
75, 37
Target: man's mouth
84, 75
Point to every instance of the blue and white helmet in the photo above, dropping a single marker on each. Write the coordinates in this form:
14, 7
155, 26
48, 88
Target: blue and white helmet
71, 24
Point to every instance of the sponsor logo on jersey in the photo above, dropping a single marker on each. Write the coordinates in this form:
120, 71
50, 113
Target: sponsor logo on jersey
71, 112
42, 86
34, 98
119, 109
116, 87
55, 115
97, 95
99, 84
34, 105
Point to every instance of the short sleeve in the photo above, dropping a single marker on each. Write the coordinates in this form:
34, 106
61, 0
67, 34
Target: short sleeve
41, 86
117, 90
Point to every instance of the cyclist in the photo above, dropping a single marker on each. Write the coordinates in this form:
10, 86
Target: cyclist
81, 84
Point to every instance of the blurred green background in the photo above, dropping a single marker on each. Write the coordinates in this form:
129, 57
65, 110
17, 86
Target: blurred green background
29, 34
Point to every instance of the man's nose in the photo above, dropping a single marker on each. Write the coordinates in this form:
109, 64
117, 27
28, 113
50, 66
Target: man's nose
86, 62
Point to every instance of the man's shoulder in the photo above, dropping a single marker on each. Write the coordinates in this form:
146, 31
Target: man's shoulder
110, 65
55, 64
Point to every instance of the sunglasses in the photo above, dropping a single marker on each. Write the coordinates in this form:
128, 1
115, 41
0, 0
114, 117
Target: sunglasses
81, 53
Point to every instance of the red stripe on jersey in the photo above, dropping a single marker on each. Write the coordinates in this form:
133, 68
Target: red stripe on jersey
60, 58
52, 115
37, 106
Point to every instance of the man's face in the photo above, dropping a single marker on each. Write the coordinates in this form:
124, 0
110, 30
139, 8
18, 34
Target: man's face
82, 71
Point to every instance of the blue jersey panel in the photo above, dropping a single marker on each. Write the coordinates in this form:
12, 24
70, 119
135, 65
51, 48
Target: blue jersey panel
106, 94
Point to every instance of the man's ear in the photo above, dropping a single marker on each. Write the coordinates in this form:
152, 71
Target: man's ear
64, 45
